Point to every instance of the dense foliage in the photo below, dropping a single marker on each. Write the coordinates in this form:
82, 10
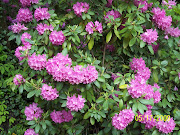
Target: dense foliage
93, 67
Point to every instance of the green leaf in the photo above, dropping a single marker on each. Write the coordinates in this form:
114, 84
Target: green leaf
142, 44
92, 121
117, 33
87, 115
141, 108
164, 63
91, 43
97, 84
147, 102
101, 79
134, 107
31, 122
151, 49
29, 40
106, 75
155, 76
37, 128
120, 104
30, 94
132, 41
43, 125
105, 105
108, 37
125, 42
11, 37
69, 46
21, 88
99, 100
65, 51
124, 86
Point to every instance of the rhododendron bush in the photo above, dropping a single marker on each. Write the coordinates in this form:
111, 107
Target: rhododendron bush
98, 67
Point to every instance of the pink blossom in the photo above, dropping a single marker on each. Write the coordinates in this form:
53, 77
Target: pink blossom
137, 64
90, 74
32, 111
18, 79
80, 7
90, 27
41, 28
174, 32
149, 36
155, 47
24, 15
111, 48
18, 53
5, 1
61, 116
77, 75
37, 62
41, 14
75, 103
28, 2
57, 38
16, 28
175, 88
109, 3
121, 120
48, 93
30, 132
157, 96
25, 43
170, 3
137, 87
161, 20
144, 73
142, 2
113, 13
166, 127
147, 119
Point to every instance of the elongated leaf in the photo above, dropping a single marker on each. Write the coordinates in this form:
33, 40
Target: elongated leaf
132, 41
108, 37
91, 44
150, 49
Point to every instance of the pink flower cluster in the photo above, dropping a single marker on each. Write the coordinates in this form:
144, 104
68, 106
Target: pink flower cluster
166, 127
30, 132
16, 28
48, 93
142, 2
155, 47
41, 14
121, 120
57, 38
41, 28
60, 68
32, 111
113, 13
18, 79
90, 27
28, 2
109, 3
157, 94
25, 43
5, 1
174, 32
138, 86
147, 119
61, 116
111, 48
149, 36
24, 15
170, 3
80, 7
160, 19
75, 103
37, 62
18, 52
